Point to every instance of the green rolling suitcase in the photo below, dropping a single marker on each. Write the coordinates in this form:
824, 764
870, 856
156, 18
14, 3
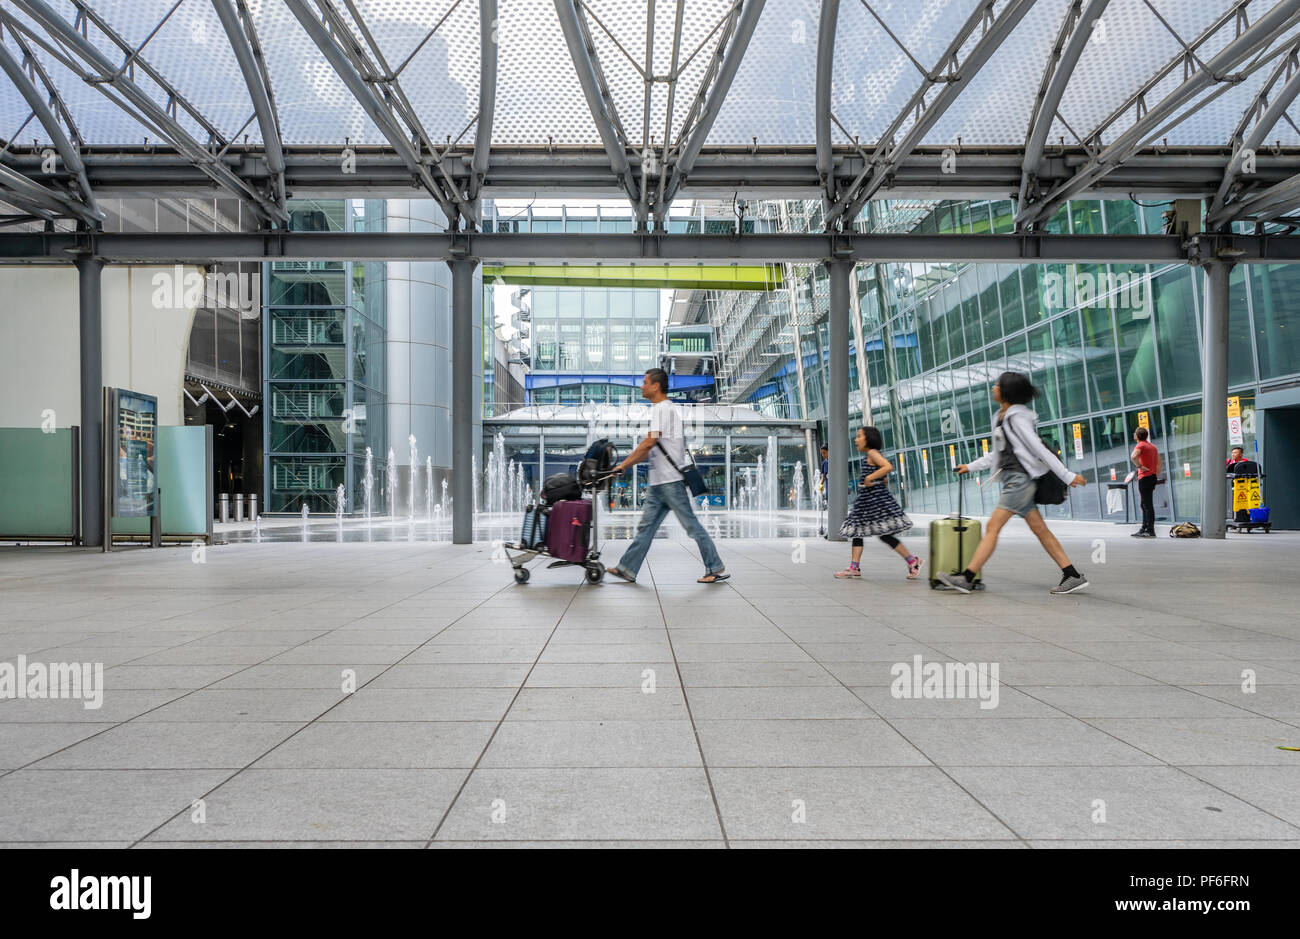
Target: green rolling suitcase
952, 543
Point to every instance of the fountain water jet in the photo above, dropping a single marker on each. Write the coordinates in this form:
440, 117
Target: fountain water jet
392, 483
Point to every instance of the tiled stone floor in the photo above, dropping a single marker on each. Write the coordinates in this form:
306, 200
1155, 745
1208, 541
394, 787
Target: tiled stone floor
490, 714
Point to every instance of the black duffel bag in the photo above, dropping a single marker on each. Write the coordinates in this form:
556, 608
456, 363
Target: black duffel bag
560, 487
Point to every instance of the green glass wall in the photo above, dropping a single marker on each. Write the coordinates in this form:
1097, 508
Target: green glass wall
324, 338
1102, 342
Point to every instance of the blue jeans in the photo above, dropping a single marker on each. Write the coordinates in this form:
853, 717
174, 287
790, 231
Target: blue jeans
659, 501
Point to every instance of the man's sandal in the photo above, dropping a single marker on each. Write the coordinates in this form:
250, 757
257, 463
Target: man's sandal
713, 578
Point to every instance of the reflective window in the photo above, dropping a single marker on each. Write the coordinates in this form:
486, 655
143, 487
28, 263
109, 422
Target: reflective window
1275, 293
1173, 303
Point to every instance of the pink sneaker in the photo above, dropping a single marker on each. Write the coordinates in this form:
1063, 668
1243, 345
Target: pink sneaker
848, 572
914, 568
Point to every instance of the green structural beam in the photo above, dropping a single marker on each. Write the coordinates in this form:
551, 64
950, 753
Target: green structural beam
660, 276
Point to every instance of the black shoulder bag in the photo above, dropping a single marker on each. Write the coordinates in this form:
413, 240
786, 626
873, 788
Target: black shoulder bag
691, 474
1049, 489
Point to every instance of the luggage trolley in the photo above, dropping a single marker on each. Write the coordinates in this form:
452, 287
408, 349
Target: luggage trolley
593, 477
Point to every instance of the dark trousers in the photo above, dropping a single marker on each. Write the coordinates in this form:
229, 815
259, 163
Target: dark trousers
889, 540
1147, 489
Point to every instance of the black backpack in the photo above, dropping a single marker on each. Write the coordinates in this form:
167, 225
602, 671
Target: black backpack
560, 487
600, 459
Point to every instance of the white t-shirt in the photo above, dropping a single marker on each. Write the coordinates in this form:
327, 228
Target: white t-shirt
667, 421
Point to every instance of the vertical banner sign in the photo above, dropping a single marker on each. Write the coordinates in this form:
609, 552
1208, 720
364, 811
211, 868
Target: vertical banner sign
1078, 441
925, 463
1234, 422
1144, 420
952, 455
985, 445
132, 431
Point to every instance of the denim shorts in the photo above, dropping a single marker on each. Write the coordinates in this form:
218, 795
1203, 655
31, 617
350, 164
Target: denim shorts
1018, 490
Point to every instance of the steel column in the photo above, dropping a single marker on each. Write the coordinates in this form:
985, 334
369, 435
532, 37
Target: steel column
1214, 401
837, 404
92, 400
462, 399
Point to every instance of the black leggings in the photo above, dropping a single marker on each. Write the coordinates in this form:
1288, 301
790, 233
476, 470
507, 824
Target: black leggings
890, 540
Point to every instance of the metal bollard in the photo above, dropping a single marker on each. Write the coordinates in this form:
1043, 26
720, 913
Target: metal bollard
252, 505
223, 514
239, 506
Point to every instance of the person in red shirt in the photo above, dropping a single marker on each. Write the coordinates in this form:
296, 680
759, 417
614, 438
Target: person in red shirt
1147, 459
1238, 456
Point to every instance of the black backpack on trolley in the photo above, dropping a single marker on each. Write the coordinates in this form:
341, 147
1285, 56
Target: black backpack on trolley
600, 459
560, 487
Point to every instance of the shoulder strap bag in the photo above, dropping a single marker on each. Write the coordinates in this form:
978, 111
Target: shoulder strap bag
1049, 489
691, 474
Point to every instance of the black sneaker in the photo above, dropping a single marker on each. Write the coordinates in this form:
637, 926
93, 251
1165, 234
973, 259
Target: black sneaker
957, 582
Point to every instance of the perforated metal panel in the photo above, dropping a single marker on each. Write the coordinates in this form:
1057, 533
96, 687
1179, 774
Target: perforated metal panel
539, 97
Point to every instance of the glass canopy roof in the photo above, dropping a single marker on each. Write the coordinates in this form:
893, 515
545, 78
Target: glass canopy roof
656, 69
539, 98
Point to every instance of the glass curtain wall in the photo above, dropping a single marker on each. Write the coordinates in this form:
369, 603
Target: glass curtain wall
325, 368
1110, 347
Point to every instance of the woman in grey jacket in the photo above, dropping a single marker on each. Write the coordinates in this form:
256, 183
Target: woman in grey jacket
1018, 457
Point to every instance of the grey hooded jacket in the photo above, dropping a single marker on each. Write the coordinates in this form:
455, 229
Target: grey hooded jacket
1020, 426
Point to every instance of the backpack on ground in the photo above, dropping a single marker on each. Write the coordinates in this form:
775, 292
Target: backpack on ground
1185, 530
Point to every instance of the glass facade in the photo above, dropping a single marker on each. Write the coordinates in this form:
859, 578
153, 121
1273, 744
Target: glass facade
1109, 346
591, 344
732, 455
324, 340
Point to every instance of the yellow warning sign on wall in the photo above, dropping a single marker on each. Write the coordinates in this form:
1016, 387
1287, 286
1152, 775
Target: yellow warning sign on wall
1144, 420
1234, 407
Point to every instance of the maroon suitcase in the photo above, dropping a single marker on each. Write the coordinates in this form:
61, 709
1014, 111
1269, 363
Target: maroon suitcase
569, 530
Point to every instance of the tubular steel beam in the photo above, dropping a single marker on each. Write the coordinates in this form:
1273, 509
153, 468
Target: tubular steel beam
1065, 57
149, 112
1266, 204
690, 151
1260, 34
196, 247
1245, 145
586, 72
360, 89
822, 99
45, 114
776, 173
247, 54
888, 155
487, 94
50, 203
